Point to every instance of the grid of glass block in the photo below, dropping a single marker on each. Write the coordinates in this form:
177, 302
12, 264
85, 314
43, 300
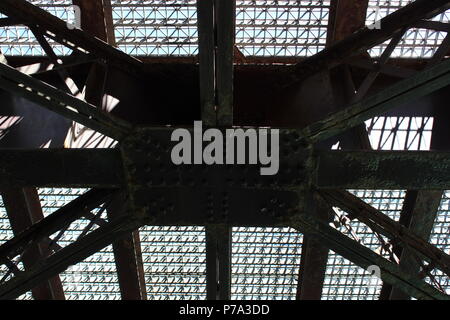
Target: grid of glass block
6, 234
343, 279
416, 43
156, 27
400, 133
281, 27
95, 278
265, 263
440, 237
20, 41
174, 262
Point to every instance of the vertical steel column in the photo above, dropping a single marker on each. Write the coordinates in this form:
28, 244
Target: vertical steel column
24, 209
216, 20
218, 262
127, 254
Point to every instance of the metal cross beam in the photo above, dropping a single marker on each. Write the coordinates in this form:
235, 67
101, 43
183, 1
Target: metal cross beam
75, 39
72, 254
62, 103
388, 227
415, 170
415, 87
61, 167
24, 209
364, 257
365, 38
123, 224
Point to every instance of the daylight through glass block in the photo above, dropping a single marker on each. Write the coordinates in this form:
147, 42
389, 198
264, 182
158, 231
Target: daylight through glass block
156, 27
416, 43
265, 263
20, 40
281, 28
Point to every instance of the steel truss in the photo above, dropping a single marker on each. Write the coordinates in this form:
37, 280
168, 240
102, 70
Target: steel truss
160, 193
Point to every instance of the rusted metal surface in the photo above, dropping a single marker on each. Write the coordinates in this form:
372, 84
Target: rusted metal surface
346, 17
314, 259
93, 17
127, 255
383, 170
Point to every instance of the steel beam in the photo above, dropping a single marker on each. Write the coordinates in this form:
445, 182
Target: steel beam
40, 230
72, 254
225, 13
420, 208
73, 38
346, 17
207, 60
314, 259
366, 38
93, 19
216, 20
413, 88
423, 215
24, 211
127, 254
218, 262
388, 227
364, 257
62, 103
60, 167
417, 170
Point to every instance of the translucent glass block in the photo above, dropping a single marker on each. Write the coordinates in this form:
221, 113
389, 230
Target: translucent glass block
416, 43
281, 28
265, 263
156, 27
20, 41
400, 133
174, 262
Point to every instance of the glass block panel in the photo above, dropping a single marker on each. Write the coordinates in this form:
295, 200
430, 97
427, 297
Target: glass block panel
346, 281
156, 27
20, 41
265, 263
281, 28
174, 262
416, 43
400, 133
